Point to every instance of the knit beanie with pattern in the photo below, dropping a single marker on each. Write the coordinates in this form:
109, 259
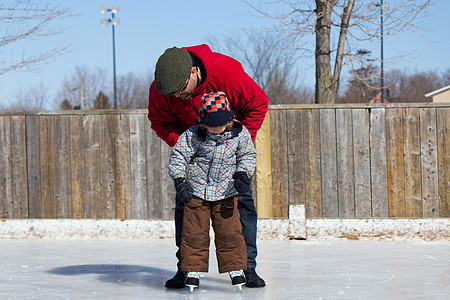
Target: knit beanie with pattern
172, 71
215, 110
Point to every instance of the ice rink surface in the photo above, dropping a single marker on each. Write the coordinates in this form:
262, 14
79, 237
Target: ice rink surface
137, 269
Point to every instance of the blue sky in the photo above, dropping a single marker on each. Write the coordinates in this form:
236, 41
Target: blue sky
147, 28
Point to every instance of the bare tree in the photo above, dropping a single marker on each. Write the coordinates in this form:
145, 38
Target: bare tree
445, 77
82, 86
362, 87
132, 90
337, 25
65, 105
101, 101
403, 86
32, 99
279, 91
406, 87
81, 89
28, 20
272, 69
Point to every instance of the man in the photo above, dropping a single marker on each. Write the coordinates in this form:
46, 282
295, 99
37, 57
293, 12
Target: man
182, 77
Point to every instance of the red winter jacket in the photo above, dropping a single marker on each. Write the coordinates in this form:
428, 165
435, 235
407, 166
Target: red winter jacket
171, 116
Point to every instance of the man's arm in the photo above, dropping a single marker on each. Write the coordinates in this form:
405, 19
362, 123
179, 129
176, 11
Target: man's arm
252, 103
163, 121
254, 113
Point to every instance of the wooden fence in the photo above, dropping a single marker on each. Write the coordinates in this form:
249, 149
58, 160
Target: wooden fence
340, 161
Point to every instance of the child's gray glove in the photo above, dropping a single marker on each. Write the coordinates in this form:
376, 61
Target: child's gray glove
184, 190
241, 182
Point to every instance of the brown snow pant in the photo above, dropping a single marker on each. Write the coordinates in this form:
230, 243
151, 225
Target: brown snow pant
231, 251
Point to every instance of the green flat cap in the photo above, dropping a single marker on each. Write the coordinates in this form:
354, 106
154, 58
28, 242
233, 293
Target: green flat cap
172, 70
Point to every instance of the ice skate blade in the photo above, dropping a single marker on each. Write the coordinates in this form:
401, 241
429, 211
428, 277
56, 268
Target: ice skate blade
239, 287
191, 287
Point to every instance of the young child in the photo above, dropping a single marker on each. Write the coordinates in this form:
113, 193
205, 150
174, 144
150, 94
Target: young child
210, 164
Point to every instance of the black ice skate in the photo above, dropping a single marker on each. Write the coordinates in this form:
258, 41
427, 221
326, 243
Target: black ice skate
177, 282
253, 280
192, 280
237, 279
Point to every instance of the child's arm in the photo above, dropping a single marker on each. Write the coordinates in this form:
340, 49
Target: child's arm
181, 155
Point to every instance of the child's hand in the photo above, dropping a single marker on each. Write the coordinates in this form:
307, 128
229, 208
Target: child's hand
241, 182
184, 190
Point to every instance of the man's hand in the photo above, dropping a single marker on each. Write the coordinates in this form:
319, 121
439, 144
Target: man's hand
241, 182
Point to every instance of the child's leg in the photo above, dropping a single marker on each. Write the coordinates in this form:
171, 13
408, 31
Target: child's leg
230, 245
195, 236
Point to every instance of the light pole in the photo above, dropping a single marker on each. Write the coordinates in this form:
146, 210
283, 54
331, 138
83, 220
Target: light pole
114, 21
382, 6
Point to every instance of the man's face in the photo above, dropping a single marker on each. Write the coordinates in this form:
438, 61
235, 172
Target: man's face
188, 90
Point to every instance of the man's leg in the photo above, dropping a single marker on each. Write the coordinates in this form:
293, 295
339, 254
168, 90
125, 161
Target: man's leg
177, 282
248, 217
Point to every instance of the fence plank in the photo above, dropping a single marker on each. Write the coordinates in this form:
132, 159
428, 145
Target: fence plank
443, 132
46, 149
153, 160
262, 182
280, 186
313, 183
32, 124
77, 167
429, 159
295, 157
93, 129
329, 163
6, 200
122, 164
167, 187
19, 167
378, 163
62, 184
108, 165
395, 164
344, 161
138, 170
361, 153
411, 154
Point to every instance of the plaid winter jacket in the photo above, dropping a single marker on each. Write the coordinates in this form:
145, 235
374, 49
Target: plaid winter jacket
208, 161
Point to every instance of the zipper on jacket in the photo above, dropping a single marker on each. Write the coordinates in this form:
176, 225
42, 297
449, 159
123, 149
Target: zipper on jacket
221, 164
212, 158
